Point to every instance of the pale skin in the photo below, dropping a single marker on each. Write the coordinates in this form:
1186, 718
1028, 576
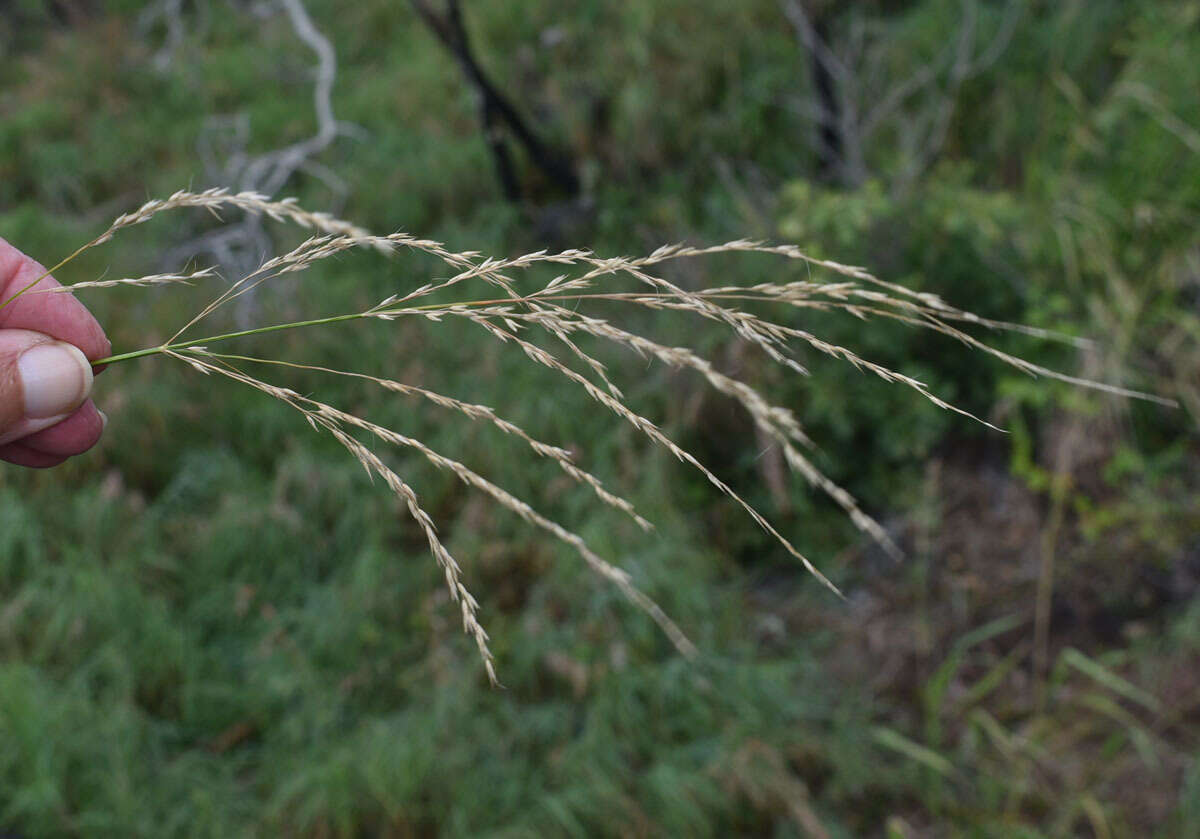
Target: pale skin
46, 343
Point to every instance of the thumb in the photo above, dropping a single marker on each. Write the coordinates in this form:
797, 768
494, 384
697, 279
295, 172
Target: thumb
42, 381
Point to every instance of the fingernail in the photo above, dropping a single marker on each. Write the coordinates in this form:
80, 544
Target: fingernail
103, 419
56, 378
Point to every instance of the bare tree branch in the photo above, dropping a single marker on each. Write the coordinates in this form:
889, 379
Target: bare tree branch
812, 41
851, 109
1152, 103
269, 172
170, 12
222, 145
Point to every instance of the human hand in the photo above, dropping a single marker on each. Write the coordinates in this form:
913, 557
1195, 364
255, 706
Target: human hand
46, 341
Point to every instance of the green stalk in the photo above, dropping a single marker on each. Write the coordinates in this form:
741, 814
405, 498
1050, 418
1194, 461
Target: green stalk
212, 339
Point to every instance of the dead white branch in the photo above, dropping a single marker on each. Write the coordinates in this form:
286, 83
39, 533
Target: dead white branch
863, 108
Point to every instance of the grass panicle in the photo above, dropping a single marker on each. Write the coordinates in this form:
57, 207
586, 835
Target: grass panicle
574, 305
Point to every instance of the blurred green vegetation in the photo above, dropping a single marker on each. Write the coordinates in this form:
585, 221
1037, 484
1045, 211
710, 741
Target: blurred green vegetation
214, 625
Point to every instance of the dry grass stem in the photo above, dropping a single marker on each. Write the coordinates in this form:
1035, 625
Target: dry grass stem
147, 280
334, 419
328, 419
559, 455
251, 202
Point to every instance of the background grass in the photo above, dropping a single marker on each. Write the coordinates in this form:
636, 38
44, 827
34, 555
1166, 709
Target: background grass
214, 625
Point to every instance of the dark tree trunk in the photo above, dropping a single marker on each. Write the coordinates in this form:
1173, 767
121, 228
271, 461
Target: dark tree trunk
830, 144
499, 116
